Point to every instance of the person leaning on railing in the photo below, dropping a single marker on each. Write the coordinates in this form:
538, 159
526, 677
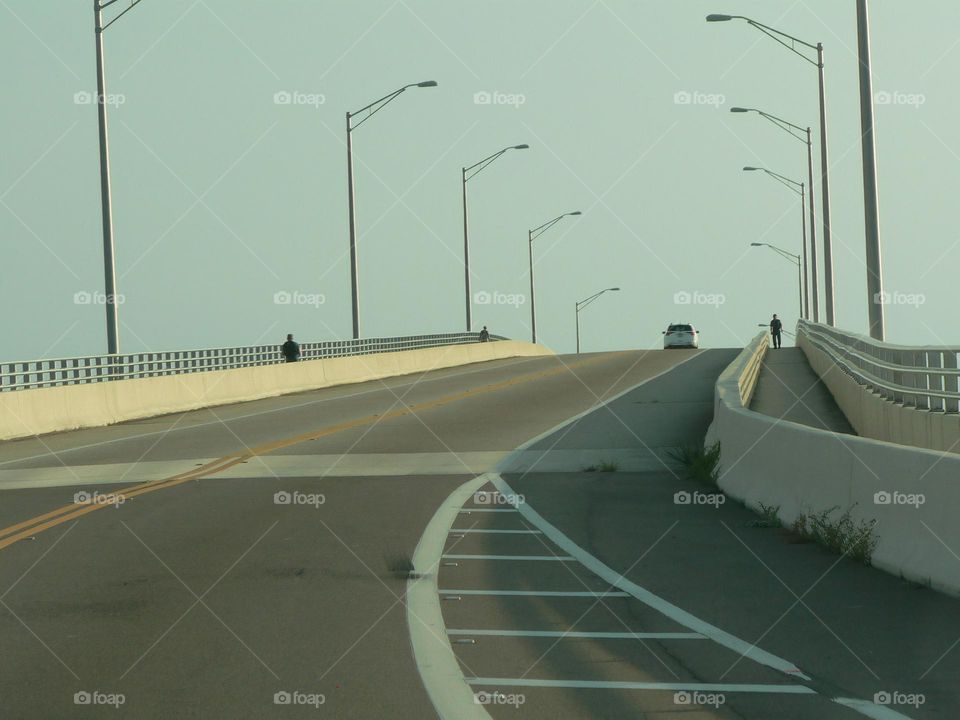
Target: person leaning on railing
484, 334
291, 350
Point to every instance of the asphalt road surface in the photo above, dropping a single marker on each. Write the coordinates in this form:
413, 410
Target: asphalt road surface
253, 561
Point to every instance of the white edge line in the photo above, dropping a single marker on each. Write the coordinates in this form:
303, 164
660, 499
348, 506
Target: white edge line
439, 669
525, 558
538, 593
504, 464
496, 532
622, 685
574, 634
871, 709
608, 574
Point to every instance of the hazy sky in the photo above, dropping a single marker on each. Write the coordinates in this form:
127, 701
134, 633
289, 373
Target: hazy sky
225, 196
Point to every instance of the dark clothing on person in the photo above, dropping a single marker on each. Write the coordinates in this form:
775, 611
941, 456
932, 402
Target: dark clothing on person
484, 335
291, 351
775, 329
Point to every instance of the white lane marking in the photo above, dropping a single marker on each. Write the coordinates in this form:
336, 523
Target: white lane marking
512, 457
580, 634
531, 558
473, 510
393, 465
608, 574
870, 709
537, 593
285, 408
439, 668
497, 532
620, 685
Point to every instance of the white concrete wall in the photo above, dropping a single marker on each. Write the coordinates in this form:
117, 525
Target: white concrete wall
33, 412
804, 469
875, 417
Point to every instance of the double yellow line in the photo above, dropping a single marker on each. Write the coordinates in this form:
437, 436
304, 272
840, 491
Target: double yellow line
36, 525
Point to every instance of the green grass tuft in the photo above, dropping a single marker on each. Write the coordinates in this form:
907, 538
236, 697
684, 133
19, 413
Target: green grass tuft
843, 536
700, 464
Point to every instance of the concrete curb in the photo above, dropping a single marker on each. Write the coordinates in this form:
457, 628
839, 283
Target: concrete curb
802, 469
44, 410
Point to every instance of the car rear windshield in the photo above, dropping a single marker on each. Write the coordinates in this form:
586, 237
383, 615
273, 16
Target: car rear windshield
681, 328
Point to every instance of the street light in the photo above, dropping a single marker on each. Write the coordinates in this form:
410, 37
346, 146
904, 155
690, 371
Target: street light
790, 42
468, 173
582, 304
792, 185
371, 109
531, 236
871, 208
789, 127
789, 256
106, 202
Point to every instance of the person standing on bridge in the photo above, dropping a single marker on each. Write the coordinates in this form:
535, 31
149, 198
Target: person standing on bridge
291, 350
776, 327
484, 334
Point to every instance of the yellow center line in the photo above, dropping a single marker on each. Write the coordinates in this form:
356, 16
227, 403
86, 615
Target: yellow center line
36, 525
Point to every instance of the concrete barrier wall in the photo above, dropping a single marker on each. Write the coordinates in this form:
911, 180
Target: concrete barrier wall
803, 469
876, 417
44, 410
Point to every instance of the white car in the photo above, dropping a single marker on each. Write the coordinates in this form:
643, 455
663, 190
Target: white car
681, 336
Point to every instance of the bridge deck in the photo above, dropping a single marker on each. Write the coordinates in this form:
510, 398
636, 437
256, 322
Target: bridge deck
788, 388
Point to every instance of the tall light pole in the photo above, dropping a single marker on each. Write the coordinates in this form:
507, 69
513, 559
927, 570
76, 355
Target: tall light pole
468, 173
813, 288
790, 42
531, 236
583, 303
370, 110
788, 256
871, 206
106, 202
793, 186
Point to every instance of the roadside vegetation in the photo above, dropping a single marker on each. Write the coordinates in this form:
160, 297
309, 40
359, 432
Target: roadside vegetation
842, 535
701, 465
606, 467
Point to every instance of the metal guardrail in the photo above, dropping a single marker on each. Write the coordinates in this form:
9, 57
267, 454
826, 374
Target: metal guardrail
925, 377
29, 374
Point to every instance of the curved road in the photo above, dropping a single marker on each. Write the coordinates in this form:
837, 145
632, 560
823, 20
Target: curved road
252, 561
